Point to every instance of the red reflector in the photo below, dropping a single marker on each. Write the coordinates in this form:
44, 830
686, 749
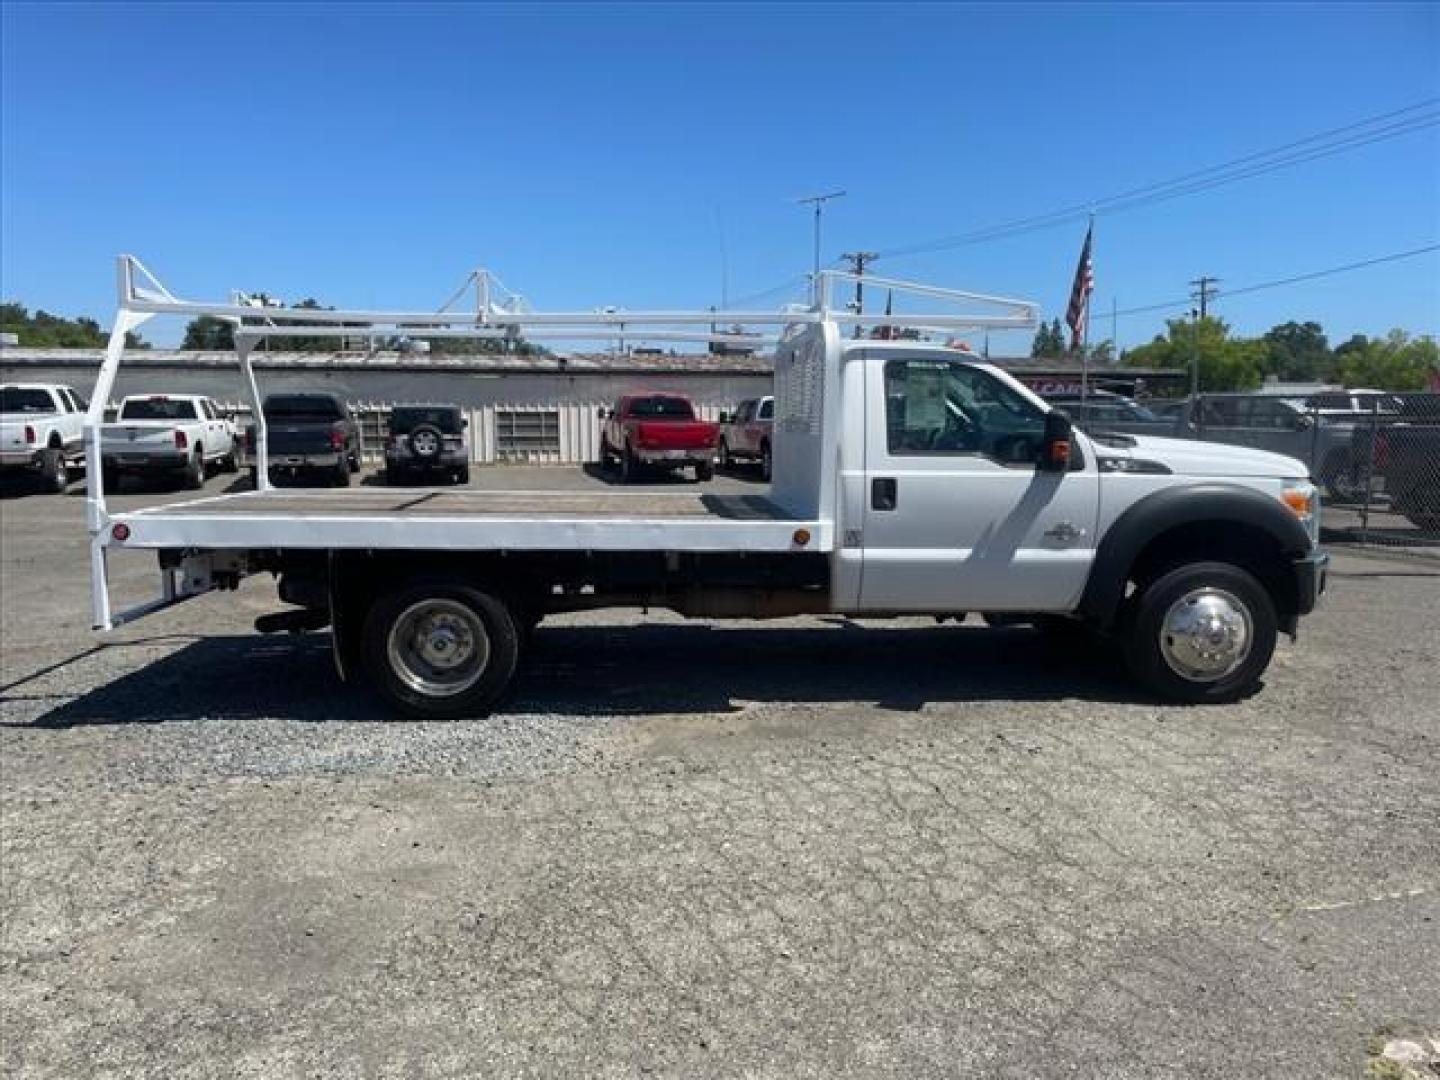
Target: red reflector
801, 537
181, 441
29, 434
120, 532
337, 440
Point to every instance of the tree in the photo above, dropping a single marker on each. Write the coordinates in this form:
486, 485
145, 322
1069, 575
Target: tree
1049, 340
209, 334
1297, 352
45, 331
1395, 362
1224, 363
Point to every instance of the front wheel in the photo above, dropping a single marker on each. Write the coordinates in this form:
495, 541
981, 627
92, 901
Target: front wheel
341, 476
229, 463
725, 461
441, 650
704, 470
1201, 634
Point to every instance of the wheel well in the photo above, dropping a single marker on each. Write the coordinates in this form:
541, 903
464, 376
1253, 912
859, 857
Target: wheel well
1247, 546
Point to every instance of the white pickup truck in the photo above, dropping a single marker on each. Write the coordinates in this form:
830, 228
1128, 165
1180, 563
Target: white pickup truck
181, 435
908, 479
41, 425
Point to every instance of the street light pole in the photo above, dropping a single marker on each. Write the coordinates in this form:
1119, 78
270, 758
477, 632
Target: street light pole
818, 201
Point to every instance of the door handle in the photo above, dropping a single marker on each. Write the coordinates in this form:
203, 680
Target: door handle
884, 493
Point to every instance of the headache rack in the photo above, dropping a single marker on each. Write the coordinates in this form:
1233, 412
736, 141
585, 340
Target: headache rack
495, 314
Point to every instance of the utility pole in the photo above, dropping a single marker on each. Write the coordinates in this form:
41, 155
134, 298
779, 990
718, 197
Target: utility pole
857, 260
1194, 358
1205, 289
818, 201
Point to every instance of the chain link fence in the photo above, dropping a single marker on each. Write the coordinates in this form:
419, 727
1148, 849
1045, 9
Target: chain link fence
1376, 456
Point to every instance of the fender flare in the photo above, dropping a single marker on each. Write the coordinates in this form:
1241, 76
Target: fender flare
1170, 508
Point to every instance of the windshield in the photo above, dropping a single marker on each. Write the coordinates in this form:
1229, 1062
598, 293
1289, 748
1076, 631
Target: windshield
158, 408
303, 407
668, 408
14, 399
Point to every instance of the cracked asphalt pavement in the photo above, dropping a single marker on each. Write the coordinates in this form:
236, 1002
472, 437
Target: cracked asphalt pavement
816, 848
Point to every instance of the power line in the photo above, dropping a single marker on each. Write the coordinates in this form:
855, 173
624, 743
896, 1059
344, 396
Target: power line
1296, 152
1217, 294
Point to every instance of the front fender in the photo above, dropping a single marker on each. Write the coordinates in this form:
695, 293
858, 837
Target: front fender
1171, 508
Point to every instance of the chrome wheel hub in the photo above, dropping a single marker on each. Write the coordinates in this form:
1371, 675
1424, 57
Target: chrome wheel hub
438, 648
1206, 635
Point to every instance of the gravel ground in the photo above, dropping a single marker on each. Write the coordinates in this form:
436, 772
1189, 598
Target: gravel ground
813, 848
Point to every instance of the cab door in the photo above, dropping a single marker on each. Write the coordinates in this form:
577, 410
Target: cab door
957, 515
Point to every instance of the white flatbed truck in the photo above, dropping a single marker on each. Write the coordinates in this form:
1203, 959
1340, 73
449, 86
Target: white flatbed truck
909, 478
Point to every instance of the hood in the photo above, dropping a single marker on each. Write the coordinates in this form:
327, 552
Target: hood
1191, 457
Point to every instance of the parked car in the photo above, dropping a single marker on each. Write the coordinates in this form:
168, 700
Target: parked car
1407, 460
745, 434
42, 431
658, 430
180, 435
311, 436
1106, 411
1285, 426
426, 440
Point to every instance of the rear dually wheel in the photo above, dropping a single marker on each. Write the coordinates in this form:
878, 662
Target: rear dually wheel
441, 650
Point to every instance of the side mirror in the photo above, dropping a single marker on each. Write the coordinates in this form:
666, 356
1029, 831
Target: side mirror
602, 412
464, 422
1055, 450
727, 418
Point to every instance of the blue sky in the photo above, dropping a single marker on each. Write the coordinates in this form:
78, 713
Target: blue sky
369, 154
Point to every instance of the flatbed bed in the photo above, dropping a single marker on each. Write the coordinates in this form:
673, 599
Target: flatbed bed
477, 520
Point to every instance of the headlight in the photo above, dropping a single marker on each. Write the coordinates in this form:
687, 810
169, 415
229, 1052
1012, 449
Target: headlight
1303, 499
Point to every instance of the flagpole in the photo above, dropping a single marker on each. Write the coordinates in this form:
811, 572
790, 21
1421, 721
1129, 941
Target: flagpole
1085, 329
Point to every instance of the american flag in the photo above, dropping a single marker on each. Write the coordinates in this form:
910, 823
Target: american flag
1079, 310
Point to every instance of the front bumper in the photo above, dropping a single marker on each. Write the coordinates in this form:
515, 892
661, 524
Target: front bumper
19, 459
1311, 572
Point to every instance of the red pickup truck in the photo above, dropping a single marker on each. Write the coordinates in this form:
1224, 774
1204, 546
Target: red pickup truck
657, 430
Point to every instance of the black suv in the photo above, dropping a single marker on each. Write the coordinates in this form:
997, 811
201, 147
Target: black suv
426, 439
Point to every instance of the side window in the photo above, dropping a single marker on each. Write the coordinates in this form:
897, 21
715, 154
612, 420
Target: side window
1222, 412
945, 407
66, 405
767, 409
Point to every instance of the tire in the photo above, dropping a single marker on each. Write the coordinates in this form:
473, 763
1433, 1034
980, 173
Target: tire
1181, 666
1429, 522
426, 443
1342, 479
765, 461
229, 463
53, 475
193, 479
462, 475
255, 477
629, 467
392, 476
726, 464
442, 675
354, 462
704, 470
341, 476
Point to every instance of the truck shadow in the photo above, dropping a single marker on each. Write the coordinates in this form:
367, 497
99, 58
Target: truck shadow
604, 671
